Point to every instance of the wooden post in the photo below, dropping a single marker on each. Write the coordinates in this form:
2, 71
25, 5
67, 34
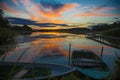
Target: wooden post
102, 52
69, 63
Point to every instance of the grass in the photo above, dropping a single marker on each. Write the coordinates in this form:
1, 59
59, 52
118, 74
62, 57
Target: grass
37, 72
116, 75
5, 69
14, 66
112, 32
70, 77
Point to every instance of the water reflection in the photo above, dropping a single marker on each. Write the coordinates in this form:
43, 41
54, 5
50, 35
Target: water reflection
53, 48
39, 35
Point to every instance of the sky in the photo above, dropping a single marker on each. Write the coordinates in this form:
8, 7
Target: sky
61, 13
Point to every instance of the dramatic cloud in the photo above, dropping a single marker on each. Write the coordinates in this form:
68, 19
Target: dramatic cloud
54, 9
38, 12
53, 13
44, 11
49, 9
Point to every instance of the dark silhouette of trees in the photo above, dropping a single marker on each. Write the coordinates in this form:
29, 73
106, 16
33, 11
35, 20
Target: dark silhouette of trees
112, 32
1, 11
6, 34
25, 27
22, 28
4, 23
104, 27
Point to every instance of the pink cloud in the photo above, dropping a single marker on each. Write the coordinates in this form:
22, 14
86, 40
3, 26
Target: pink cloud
16, 12
15, 2
103, 9
100, 11
92, 14
8, 8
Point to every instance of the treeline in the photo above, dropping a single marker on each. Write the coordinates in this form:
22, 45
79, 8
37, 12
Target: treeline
22, 28
104, 27
75, 30
108, 30
112, 32
71, 30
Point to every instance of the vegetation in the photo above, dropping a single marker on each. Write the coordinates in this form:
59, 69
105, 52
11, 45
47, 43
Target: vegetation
112, 32
5, 69
37, 72
6, 36
4, 23
74, 77
112, 36
7, 32
104, 27
70, 77
116, 75
22, 28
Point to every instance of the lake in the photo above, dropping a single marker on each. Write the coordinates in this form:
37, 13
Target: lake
53, 47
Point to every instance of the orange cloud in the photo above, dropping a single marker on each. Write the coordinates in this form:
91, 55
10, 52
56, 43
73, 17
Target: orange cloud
58, 13
68, 7
92, 14
40, 15
35, 8
45, 20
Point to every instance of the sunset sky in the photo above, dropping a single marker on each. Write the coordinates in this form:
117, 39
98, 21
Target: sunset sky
60, 13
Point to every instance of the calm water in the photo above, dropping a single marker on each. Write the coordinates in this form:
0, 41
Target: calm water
53, 47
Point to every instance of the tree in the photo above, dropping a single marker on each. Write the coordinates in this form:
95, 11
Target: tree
25, 27
1, 12
4, 23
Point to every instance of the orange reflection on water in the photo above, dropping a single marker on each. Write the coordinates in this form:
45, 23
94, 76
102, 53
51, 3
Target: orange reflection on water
49, 49
50, 40
50, 33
